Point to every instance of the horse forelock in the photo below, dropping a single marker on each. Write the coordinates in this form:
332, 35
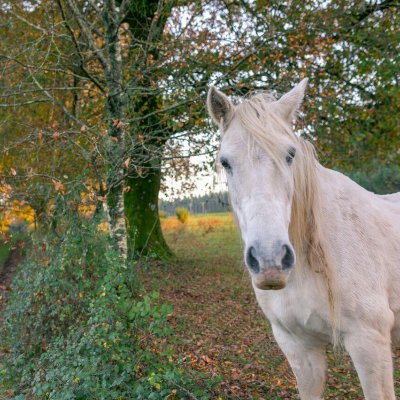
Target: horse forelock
261, 119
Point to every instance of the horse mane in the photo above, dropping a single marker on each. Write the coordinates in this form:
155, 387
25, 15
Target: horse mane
259, 115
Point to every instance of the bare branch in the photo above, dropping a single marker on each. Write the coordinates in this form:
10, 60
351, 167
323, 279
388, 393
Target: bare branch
31, 24
86, 31
124, 9
78, 50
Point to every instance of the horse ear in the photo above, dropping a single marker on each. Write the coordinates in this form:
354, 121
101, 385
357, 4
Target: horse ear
290, 102
219, 107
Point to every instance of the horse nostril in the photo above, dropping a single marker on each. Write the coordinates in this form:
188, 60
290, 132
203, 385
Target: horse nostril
251, 259
288, 258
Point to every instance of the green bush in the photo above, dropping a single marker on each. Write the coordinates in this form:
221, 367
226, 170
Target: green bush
162, 214
182, 214
77, 326
378, 178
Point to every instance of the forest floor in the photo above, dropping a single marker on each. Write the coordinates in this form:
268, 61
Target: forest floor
219, 329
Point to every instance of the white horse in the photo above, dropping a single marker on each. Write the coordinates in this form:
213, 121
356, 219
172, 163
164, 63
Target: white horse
329, 248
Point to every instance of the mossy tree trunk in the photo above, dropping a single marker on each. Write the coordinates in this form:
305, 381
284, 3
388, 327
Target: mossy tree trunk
142, 185
141, 211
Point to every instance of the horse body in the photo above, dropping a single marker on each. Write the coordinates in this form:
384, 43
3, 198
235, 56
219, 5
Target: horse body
329, 248
364, 233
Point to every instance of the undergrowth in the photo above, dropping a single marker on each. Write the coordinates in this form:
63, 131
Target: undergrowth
77, 326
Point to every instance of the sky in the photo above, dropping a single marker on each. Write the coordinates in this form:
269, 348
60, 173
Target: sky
206, 182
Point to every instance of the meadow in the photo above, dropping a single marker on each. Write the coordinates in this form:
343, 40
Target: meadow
213, 343
219, 329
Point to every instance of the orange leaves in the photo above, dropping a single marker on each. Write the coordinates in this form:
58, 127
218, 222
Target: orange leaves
207, 359
150, 59
58, 186
178, 125
201, 360
45, 261
5, 190
117, 123
127, 162
15, 212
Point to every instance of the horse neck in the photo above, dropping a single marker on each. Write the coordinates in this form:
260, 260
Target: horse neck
307, 234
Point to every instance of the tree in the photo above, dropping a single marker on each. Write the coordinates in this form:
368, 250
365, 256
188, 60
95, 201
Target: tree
113, 92
349, 52
147, 20
110, 65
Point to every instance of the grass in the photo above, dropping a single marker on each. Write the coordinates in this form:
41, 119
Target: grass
220, 330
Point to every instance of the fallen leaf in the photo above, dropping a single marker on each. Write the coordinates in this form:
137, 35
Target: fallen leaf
207, 359
58, 186
127, 162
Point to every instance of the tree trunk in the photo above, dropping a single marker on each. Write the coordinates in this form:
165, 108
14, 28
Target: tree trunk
146, 21
141, 211
116, 140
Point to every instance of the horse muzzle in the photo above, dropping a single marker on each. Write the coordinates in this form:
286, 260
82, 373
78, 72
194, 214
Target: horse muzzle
270, 267
270, 279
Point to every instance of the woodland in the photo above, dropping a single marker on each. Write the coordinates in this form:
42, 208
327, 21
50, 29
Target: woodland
102, 109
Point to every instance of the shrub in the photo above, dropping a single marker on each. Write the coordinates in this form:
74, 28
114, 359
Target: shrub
78, 327
378, 178
208, 224
182, 214
162, 214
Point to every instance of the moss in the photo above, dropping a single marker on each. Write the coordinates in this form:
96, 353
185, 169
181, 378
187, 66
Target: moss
143, 223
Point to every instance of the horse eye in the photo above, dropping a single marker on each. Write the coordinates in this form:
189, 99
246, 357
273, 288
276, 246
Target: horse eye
290, 155
226, 165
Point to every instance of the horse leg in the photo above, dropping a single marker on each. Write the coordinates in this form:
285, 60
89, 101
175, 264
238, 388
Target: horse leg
308, 363
372, 357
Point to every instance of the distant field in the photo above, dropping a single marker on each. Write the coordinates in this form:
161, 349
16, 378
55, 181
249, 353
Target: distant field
205, 238
219, 328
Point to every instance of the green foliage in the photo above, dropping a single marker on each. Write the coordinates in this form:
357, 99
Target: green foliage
182, 214
7, 244
378, 178
77, 326
4, 252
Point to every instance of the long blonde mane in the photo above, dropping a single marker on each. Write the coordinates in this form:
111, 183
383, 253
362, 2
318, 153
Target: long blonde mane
260, 117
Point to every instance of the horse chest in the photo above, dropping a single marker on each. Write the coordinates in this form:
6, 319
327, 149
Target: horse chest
296, 315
